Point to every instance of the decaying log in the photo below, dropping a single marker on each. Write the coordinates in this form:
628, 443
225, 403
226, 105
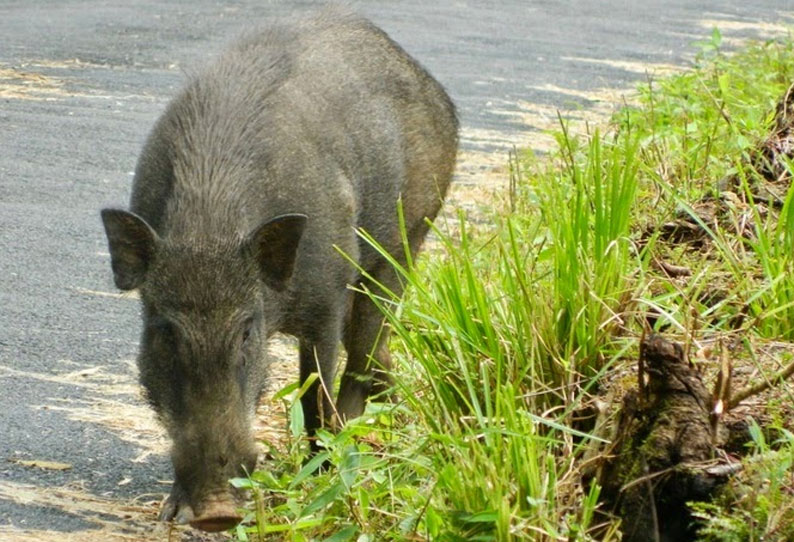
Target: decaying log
664, 454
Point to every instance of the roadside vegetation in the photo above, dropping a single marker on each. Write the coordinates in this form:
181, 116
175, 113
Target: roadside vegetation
518, 335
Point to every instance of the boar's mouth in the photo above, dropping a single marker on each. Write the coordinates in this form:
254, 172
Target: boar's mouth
218, 513
216, 523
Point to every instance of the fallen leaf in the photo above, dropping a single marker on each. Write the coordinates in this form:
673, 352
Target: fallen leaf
41, 464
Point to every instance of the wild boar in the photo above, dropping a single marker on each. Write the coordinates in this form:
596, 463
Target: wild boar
252, 181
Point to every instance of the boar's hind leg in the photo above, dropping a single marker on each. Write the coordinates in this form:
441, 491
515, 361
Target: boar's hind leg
366, 336
366, 340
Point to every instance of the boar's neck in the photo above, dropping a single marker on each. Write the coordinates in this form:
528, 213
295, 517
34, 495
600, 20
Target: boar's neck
217, 152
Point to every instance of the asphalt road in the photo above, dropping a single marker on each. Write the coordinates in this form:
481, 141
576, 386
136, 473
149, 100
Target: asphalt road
81, 83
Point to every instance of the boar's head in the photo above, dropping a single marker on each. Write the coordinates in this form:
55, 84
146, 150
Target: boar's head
208, 308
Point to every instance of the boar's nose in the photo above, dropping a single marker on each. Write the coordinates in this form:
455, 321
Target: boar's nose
217, 513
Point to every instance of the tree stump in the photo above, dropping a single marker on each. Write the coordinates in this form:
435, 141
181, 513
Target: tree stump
664, 452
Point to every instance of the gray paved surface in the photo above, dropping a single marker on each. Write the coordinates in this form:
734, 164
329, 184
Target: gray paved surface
81, 83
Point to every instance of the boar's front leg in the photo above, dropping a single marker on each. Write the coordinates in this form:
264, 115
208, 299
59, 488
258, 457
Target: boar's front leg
319, 352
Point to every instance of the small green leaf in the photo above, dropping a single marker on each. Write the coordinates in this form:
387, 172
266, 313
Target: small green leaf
325, 438
294, 507
266, 479
242, 483
344, 535
408, 524
716, 37
487, 516
309, 469
757, 435
363, 501
294, 527
433, 522
307, 384
533, 502
348, 469
286, 390
323, 500
239, 531
296, 419
724, 83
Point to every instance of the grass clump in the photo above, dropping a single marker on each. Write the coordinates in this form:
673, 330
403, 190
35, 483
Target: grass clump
508, 333
760, 504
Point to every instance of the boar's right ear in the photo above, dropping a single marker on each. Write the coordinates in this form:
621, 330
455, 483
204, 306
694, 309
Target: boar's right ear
274, 246
132, 242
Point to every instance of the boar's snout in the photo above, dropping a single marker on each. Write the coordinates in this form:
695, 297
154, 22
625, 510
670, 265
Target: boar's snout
202, 493
218, 512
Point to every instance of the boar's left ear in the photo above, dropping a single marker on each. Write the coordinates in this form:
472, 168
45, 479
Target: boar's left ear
131, 242
274, 246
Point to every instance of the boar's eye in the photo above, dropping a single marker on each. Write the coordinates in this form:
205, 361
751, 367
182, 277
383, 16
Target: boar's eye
248, 327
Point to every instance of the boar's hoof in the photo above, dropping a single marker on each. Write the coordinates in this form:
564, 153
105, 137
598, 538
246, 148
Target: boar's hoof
218, 515
176, 508
185, 515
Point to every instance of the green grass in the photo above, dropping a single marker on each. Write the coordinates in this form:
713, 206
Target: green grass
758, 506
507, 333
